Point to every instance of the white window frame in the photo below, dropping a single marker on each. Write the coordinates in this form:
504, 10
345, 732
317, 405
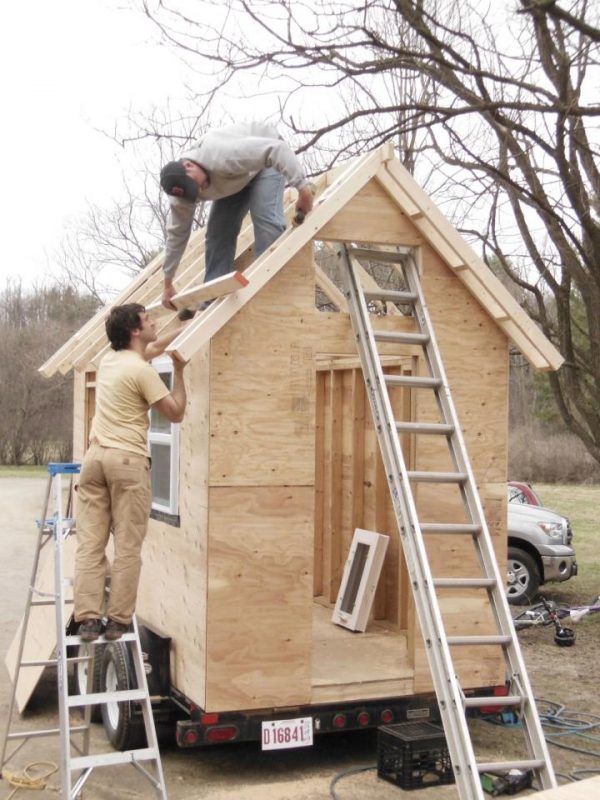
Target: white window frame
354, 613
164, 364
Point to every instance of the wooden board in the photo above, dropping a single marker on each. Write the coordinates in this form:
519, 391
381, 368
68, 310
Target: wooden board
357, 666
370, 216
579, 790
259, 597
172, 594
40, 639
262, 386
190, 298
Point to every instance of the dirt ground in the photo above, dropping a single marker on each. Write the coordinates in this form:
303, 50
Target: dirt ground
566, 676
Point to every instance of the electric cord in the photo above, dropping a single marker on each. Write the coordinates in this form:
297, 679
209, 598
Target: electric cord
26, 780
352, 771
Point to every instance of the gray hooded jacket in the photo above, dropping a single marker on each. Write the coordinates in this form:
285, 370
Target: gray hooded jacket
232, 157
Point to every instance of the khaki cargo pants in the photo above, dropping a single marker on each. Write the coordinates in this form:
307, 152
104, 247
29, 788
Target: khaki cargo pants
114, 493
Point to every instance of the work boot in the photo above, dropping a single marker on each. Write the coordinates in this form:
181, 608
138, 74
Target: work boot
90, 630
114, 630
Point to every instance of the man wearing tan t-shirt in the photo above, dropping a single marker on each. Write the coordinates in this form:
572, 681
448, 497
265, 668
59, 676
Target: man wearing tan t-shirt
114, 491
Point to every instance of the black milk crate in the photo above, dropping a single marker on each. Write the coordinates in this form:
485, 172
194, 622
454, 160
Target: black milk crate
413, 755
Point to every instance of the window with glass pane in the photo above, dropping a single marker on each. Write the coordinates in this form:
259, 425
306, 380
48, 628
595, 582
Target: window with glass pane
163, 439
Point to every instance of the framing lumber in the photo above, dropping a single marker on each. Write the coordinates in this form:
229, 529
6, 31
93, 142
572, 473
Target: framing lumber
206, 291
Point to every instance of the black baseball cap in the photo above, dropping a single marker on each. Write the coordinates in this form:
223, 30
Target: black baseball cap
177, 183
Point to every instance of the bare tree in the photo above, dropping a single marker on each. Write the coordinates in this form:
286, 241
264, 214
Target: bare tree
505, 117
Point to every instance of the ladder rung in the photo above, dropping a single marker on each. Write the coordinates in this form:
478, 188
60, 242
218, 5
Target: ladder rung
464, 583
50, 662
438, 477
108, 759
505, 700
95, 698
404, 298
386, 256
450, 527
492, 639
413, 380
46, 732
127, 637
506, 766
400, 337
424, 427
48, 602
78, 659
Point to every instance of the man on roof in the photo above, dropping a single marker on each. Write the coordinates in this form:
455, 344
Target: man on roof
114, 491
240, 168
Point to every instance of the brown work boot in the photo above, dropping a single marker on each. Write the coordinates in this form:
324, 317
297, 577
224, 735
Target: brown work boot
90, 630
114, 630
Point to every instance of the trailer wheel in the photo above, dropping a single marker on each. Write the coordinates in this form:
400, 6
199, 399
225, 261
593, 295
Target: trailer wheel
79, 676
124, 728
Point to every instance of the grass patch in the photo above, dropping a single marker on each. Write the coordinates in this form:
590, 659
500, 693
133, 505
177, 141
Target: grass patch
580, 504
27, 471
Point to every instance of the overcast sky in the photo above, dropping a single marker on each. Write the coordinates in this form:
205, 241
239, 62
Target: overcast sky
70, 69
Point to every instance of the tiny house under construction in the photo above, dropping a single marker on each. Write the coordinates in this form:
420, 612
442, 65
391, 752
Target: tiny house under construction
259, 490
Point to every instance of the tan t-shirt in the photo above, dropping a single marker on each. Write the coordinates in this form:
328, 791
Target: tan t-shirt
126, 387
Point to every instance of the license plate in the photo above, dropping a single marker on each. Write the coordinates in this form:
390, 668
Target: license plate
283, 733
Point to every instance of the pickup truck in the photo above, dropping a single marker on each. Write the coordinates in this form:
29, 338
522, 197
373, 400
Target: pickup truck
539, 548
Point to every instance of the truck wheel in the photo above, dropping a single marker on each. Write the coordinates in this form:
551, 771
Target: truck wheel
80, 673
523, 577
124, 728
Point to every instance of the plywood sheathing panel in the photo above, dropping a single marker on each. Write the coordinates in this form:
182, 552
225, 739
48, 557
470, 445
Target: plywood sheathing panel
259, 597
79, 416
475, 357
350, 666
262, 385
173, 586
370, 216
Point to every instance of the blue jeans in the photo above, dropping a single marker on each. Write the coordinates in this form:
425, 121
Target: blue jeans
263, 197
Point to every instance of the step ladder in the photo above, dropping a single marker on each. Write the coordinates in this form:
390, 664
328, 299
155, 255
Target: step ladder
56, 529
452, 701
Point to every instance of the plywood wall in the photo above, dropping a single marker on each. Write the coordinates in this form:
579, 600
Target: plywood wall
172, 595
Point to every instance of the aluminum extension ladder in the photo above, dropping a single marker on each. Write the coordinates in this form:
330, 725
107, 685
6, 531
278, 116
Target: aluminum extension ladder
56, 529
452, 701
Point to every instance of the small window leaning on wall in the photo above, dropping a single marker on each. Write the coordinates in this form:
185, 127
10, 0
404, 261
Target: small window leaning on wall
163, 438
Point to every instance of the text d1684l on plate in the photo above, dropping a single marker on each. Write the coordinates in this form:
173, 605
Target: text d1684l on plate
283, 733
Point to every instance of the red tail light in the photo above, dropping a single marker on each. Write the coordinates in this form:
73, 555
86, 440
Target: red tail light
224, 733
209, 719
363, 718
387, 715
339, 721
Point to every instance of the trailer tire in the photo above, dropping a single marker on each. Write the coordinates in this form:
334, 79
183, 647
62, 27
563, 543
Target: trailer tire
124, 728
80, 671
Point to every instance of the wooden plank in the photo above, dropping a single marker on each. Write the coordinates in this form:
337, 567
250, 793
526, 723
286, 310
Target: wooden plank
262, 385
357, 666
319, 484
274, 258
172, 593
331, 290
580, 790
335, 485
371, 216
259, 632
190, 298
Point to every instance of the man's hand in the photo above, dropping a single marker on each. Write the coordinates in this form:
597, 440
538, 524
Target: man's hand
168, 292
304, 204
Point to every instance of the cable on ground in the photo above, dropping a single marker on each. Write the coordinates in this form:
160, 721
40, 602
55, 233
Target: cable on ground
26, 779
345, 773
